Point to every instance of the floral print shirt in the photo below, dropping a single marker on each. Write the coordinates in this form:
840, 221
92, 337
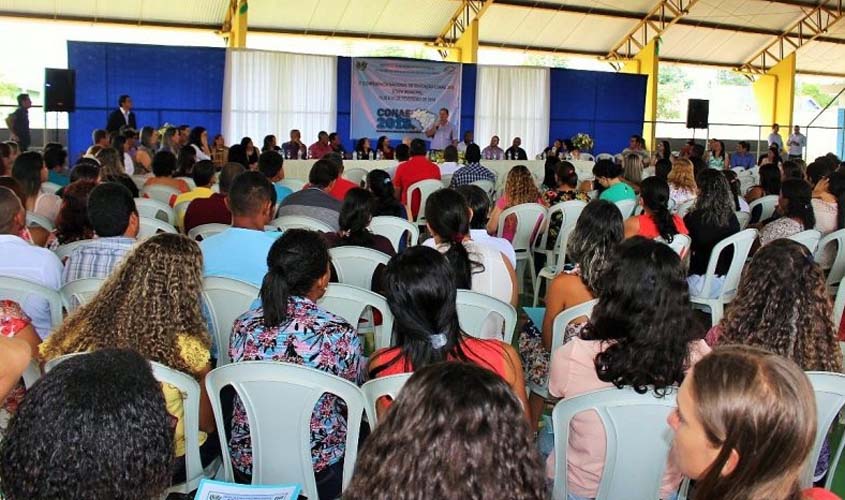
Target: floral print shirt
553, 197
310, 336
12, 320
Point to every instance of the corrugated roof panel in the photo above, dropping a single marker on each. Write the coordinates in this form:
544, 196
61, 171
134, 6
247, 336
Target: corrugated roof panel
822, 57
709, 45
642, 6
751, 13
416, 17
204, 12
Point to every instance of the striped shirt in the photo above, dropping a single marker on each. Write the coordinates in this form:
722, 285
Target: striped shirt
96, 259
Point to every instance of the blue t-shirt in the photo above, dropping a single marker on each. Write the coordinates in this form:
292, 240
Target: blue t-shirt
746, 160
618, 192
238, 253
282, 192
57, 178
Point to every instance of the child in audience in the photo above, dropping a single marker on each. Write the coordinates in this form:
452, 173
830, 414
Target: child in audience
744, 426
641, 334
95, 427
454, 432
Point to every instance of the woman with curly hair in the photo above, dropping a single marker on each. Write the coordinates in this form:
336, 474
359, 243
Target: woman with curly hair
150, 303
520, 188
795, 207
682, 186
592, 245
454, 432
95, 427
72, 223
641, 334
656, 221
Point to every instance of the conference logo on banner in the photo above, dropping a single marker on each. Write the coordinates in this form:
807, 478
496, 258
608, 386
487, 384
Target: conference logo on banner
399, 98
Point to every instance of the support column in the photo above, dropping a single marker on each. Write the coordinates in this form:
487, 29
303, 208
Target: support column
465, 49
238, 24
647, 62
775, 94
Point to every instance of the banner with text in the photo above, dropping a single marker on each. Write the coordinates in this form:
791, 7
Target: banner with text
399, 98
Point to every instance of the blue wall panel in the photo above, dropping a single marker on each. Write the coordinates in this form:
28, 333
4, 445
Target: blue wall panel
469, 78
344, 103
179, 85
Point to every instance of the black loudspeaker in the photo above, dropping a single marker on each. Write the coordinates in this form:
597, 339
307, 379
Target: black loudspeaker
59, 90
698, 113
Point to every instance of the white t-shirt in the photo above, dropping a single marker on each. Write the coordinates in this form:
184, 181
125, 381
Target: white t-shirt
36, 264
796, 144
494, 279
449, 167
775, 138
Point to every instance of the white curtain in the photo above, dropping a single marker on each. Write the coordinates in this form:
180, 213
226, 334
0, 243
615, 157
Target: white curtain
510, 102
273, 92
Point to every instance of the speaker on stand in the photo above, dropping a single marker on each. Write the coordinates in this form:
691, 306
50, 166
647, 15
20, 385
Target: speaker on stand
59, 95
698, 114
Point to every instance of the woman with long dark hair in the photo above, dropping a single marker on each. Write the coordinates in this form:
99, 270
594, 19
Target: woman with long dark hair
718, 158
186, 160
641, 334
656, 221
829, 208
289, 326
270, 144
383, 148
740, 205
72, 223
30, 171
198, 139
363, 150
770, 180
251, 152
796, 209
381, 185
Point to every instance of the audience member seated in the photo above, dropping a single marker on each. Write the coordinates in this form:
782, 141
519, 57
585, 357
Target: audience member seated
270, 144
450, 161
240, 252
35, 235
742, 158
793, 169
111, 170
164, 165
25, 261
739, 203
203, 177
515, 152
114, 218
632, 171
86, 169
829, 209
321, 147
402, 153
418, 168
709, 221
770, 181
478, 267
341, 185
291, 327
636, 146
564, 188
421, 293
72, 223
738, 441
592, 246
354, 221
473, 171
383, 147
479, 205
294, 149
795, 208
519, 189
363, 149
55, 157
14, 325
151, 304
115, 439
818, 170
717, 157
449, 414
609, 177
663, 151
381, 185
5, 159
251, 152
30, 171
681, 179
237, 154
185, 161
656, 221
270, 163
146, 150
642, 334
663, 167
214, 210
315, 201
198, 140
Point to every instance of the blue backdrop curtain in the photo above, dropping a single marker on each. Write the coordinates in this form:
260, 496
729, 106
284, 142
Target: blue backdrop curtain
177, 85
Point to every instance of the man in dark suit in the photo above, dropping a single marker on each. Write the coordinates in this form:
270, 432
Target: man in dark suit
122, 116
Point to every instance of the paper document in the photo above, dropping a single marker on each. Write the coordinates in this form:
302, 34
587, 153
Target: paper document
218, 490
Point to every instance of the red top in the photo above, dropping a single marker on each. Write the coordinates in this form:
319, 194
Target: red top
417, 169
209, 210
818, 494
488, 354
318, 149
341, 187
649, 230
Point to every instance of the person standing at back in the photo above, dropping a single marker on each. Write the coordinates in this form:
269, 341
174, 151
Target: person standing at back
122, 116
775, 139
797, 142
240, 252
18, 122
315, 201
418, 168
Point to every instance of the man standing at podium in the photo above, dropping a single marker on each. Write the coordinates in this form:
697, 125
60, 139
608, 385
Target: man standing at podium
442, 133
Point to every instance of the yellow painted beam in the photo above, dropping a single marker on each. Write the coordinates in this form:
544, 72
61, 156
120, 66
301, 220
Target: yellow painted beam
775, 94
647, 62
465, 49
236, 26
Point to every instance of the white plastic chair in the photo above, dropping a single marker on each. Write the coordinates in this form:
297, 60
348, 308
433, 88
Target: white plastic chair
767, 206
180, 209
626, 207
356, 265
203, 231
604, 156
681, 244
226, 299
628, 471
355, 175
79, 292
279, 399
155, 209
682, 209
160, 192
378, 388
830, 398
31, 375
446, 180
836, 271
395, 229
151, 227
473, 310
489, 187
741, 243
33, 219
425, 188
587, 157
286, 222
351, 303
140, 180
189, 181
49, 187
19, 290
809, 238
293, 184
838, 306
64, 251
530, 218
743, 218
49, 365
556, 257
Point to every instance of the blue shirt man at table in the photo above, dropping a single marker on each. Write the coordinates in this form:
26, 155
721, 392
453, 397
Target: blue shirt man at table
742, 158
442, 133
240, 252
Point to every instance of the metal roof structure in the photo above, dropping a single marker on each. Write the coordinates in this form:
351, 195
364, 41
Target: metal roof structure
748, 34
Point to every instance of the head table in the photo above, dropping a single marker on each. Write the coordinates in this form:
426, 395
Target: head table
298, 169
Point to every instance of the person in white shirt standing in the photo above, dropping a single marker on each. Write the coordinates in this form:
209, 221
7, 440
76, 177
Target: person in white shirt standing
25, 261
775, 138
796, 144
442, 133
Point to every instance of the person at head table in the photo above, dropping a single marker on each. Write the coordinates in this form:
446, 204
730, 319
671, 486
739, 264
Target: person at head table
493, 151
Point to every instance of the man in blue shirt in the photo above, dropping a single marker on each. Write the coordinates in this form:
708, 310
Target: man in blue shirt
442, 132
270, 163
240, 252
742, 158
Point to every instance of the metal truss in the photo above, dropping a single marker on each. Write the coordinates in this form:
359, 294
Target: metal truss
461, 19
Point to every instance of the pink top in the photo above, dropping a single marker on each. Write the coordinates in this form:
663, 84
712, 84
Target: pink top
573, 372
510, 224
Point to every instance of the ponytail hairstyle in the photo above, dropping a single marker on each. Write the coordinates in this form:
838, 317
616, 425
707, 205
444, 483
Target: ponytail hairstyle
836, 187
566, 174
733, 183
380, 184
295, 262
447, 214
798, 195
355, 216
654, 192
